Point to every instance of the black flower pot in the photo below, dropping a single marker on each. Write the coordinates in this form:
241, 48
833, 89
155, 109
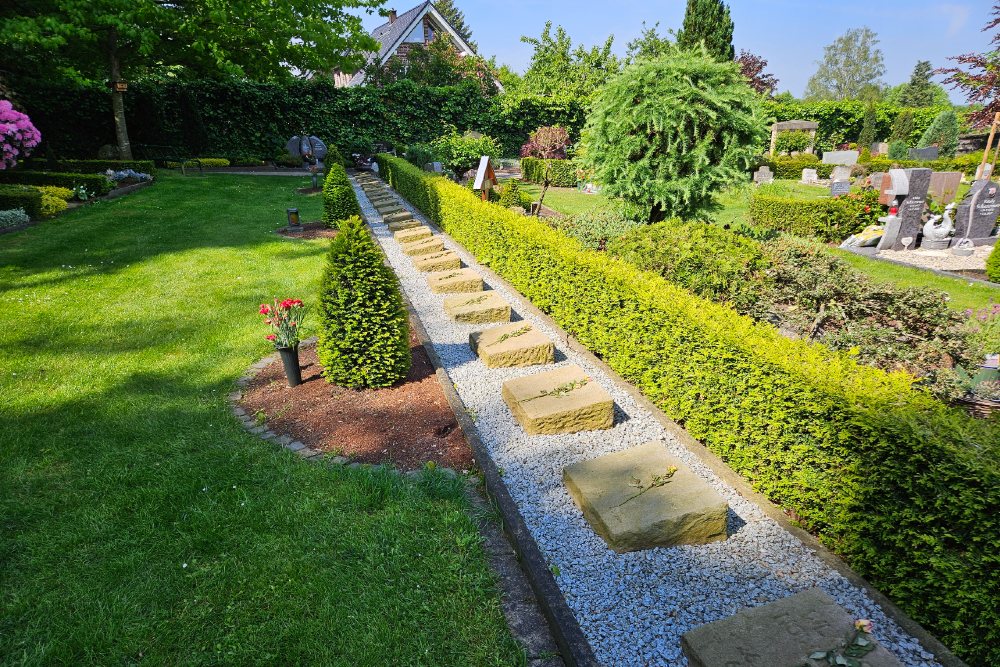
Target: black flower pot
290, 360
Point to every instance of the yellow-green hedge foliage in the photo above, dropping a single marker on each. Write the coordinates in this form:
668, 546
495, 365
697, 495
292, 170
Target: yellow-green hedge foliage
993, 265
905, 489
55, 191
562, 173
208, 162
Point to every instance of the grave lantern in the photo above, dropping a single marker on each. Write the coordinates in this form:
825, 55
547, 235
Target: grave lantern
293, 218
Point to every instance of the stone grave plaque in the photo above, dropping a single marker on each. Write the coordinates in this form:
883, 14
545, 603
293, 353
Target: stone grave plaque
477, 308
841, 157
406, 223
398, 216
977, 214
929, 153
838, 188
460, 281
413, 234
879, 148
439, 261
911, 209
512, 345
427, 246
810, 176
876, 180
564, 400
840, 173
944, 185
763, 175
633, 502
780, 634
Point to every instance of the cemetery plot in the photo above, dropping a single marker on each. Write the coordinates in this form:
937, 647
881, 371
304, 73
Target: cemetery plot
785, 634
427, 246
439, 261
414, 234
643, 498
455, 282
477, 308
564, 400
404, 223
512, 345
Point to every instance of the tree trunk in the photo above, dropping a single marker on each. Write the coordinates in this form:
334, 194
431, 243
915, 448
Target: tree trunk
118, 99
657, 214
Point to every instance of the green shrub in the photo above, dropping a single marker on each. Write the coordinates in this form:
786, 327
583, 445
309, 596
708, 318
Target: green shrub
510, 195
595, 228
204, 162
364, 338
898, 150
792, 142
339, 200
993, 265
790, 167
55, 191
13, 218
902, 487
461, 152
825, 219
562, 173
21, 197
420, 155
96, 183
942, 133
91, 166
52, 205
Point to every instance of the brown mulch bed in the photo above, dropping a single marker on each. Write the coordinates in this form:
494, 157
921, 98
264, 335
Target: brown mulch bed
406, 425
311, 230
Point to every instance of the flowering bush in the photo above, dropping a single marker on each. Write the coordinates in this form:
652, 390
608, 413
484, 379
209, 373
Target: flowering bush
548, 143
127, 174
285, 319
17, 134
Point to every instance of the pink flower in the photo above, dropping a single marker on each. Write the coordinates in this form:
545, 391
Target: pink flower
264, 309
271, 337
863, 625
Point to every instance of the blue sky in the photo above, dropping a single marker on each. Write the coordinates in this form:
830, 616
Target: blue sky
791, 34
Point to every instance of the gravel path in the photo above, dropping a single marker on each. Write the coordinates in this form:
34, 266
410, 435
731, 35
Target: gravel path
633, 607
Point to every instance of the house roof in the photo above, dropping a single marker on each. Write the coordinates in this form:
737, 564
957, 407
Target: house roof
390, 35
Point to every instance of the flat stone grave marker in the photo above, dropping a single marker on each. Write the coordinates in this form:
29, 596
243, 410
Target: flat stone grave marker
810, 176
780, 634
763, 175
383, 199
841, 157
477, 308
643, 498
911, 210
460, 281
929, 153
944, 186
398, 216
564, 400
439, 261
513, 345
423, 247
406, 223
389, 209
840, 173
977, 214
838, 188
413, 234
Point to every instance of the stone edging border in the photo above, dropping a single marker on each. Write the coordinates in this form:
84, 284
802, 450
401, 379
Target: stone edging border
565, 627
937, 272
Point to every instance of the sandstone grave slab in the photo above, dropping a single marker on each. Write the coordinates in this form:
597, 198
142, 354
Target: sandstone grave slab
400, 225
477, 308
398, 216
564, 400
413, 234
439, 261
455, 282
780, 634
428, 246
513, 345
631, 501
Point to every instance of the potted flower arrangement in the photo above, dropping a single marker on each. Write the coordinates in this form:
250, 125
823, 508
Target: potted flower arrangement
285, 319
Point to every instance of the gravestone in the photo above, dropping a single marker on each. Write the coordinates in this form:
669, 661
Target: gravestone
780, 634
984, 171
477, 308
633, 501
763, 175
911, 208
879, 148
876, 181
838, 188
439, 261
840, 173
841, 157
809, 177
564, 400
512, 345
977, 213
944, 185
461, 281
929, 153
894, 186
427, 246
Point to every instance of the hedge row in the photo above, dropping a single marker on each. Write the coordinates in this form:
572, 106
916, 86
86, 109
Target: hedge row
95, 183
790, 167
830, 219
339, 201
18, 196
562, 173
904, 488
91, 166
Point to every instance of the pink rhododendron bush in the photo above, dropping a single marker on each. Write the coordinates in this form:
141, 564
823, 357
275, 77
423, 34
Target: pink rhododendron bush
17, 134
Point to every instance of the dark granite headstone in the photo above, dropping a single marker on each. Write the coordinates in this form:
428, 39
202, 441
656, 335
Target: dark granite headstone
838, 188
929, 153
911, 208
977, 214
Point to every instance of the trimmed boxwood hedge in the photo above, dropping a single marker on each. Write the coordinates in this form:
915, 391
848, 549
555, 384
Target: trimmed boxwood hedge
95, 183
339, 201
905, 489
993, 265
19, 196
832, 219
91, 166
562, 172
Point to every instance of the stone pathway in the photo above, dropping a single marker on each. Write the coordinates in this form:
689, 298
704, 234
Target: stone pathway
633, 607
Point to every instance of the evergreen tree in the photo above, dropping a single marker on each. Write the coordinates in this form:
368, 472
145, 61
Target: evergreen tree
669, 133
869, 127
919, 92
902, 128
942, 133
456, 17
708, 22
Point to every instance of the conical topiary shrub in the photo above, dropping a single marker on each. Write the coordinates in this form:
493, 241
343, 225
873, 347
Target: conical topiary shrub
339, 201
364, 338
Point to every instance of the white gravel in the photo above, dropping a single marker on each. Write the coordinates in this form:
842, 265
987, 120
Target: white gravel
941, 260
633, 607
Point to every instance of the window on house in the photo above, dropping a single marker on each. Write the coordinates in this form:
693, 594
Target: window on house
428, 31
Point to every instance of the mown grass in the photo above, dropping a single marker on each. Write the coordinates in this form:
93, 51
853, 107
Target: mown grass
139, 522
568, 201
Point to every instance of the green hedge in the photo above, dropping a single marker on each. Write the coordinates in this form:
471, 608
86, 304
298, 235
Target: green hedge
905, 489
561, 172
95, 183
91, 166
790, 167
829, 219
993, 265
339, 200
17, 196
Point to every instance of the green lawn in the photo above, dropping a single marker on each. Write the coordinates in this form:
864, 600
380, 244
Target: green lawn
568, 201
139, 522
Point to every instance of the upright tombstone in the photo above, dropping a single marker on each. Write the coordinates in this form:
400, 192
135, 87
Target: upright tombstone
838, 188
984, 171
763, 175
310, 149
876, 181
911, 208
929, 153
977, 214
809, 177
849, 158
944, 185
895, 186
841, 173
879, 148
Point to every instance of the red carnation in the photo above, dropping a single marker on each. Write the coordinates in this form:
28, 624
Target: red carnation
271, 337
264, 309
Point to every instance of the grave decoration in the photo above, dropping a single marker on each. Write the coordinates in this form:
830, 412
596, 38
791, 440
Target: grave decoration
937, 233
977, 214
486, 179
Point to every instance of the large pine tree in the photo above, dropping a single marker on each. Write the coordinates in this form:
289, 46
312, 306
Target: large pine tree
456, 18
708, 22
919, 92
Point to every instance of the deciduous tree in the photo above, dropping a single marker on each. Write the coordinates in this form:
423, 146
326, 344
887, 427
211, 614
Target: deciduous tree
981, 81
852, 68
752, 67
558, 68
